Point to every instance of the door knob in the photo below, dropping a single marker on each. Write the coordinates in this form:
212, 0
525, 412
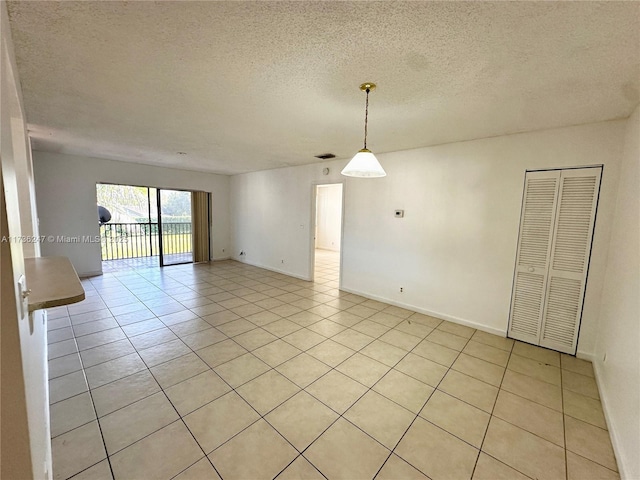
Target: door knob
531, 269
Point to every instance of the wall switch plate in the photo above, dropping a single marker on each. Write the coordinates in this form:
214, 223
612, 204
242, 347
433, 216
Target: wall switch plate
398, 213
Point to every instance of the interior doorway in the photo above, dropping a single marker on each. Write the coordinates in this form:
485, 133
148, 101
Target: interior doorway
327, 239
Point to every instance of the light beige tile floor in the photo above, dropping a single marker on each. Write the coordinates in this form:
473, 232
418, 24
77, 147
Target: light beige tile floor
235, 372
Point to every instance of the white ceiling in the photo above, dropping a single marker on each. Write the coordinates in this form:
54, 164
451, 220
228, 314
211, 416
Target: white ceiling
244, 86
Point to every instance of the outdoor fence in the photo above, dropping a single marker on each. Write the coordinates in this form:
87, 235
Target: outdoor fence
134, 240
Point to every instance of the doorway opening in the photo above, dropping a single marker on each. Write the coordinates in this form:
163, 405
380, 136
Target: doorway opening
147, 226
175, 227
327, 239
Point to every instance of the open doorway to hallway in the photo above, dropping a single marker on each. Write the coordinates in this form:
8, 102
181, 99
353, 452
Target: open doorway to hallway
328, 234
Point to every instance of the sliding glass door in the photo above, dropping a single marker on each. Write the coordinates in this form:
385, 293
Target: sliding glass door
174, 223
147, 222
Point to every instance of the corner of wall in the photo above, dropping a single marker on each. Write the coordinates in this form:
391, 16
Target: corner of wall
26, 446
616, 358
607, 408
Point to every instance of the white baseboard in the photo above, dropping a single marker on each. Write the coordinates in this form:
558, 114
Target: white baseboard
272, 269
584, 355
615, 439
90, 274
328, 249
442, 316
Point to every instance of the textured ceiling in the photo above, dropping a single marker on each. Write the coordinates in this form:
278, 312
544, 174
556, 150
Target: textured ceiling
243, 86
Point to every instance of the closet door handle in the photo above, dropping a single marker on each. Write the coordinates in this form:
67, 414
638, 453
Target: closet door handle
531, 269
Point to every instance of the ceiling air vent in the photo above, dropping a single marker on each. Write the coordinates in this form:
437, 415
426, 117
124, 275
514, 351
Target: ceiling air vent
325, 156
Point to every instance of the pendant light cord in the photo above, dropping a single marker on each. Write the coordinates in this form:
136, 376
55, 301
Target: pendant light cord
366, 118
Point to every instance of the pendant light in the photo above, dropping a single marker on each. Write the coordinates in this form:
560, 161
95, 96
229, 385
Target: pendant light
364, 163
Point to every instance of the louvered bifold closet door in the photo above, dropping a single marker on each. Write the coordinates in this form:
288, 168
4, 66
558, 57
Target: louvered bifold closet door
534, 248
574, 223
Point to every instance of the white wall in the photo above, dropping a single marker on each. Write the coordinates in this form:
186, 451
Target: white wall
271, 217
25, 430
619, 323
66, 196
454, 251
329, 217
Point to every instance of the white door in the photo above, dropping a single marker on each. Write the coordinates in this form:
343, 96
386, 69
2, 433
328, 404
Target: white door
532, 259
329, 217
556, 228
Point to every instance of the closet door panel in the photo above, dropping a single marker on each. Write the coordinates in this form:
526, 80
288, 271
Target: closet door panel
571, 248
533, 253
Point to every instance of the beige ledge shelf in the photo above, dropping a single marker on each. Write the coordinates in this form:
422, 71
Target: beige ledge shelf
53, 282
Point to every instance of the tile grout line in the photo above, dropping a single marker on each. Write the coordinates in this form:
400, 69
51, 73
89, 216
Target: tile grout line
180, 417
93, 405
422, 408
484, 436
341, 415
305, 328
301, 389
272, 368
564, 425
